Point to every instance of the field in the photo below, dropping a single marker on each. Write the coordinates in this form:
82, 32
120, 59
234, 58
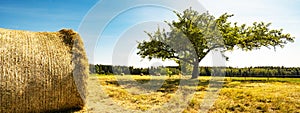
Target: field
237, 94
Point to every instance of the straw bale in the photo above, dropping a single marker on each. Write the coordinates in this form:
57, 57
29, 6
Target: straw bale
39, 69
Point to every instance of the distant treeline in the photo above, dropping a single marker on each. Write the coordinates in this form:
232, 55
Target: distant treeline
265, 71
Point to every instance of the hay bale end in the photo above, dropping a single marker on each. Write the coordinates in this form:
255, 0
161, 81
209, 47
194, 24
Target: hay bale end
42, 71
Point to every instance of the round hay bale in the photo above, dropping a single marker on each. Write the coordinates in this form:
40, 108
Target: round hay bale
41, 71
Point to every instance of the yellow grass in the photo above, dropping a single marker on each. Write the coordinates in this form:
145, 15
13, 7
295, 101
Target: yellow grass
236, 95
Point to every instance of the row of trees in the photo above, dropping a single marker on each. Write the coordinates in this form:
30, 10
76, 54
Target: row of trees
269, 71
263, 72
127, 70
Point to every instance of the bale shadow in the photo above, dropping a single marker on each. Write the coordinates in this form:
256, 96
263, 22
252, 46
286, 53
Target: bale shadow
71, 110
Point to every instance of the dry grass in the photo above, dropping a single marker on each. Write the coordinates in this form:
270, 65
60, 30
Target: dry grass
37, 71
237, 95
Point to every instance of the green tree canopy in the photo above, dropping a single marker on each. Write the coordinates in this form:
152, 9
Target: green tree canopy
195, 34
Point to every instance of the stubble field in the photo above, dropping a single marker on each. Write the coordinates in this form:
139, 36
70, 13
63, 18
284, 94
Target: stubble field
111, 94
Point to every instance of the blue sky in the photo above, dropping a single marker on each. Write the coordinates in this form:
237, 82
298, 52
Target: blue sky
43, 15
52, 15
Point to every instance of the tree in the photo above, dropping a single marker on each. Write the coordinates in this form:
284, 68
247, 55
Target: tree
194, 35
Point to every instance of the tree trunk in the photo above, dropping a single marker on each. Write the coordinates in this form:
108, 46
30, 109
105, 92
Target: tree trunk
195, 73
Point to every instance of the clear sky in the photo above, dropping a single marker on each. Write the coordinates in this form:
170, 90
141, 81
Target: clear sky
52, 15
43, 15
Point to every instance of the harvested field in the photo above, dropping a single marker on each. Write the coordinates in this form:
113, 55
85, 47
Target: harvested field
251, 95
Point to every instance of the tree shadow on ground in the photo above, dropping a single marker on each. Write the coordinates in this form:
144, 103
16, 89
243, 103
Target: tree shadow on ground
172, 85
166, 86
